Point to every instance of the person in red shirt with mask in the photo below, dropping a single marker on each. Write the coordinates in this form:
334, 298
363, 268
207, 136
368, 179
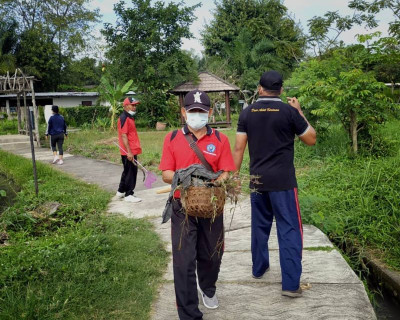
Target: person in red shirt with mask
129, 148
195, 250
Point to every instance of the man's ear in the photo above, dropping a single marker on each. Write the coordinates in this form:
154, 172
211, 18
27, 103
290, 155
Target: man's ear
183, 112
281, 91
210, 112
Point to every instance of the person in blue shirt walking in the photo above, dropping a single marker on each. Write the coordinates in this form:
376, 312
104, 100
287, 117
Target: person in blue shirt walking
57, 129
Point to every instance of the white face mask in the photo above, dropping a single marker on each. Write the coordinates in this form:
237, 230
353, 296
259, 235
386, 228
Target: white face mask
196, 120
132, 113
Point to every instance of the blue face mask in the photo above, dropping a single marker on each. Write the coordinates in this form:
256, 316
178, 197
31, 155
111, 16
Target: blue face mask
132, 113
196, 120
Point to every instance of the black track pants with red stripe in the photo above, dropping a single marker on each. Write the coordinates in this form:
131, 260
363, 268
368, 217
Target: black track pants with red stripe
197, 245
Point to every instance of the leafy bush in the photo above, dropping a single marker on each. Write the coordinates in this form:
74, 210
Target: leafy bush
77, 116
8, 127
354, 200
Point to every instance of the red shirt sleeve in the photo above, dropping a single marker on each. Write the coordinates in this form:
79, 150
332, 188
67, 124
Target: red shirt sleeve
167, 158
225, 161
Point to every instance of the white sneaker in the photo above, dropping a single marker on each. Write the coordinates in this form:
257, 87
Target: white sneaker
55, 159
132, 199
60, 161
120, 194
210, 303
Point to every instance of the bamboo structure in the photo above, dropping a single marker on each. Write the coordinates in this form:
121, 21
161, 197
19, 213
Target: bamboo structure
20, 84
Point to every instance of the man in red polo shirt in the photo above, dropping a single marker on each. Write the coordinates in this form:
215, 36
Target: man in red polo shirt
195, 249
129, 148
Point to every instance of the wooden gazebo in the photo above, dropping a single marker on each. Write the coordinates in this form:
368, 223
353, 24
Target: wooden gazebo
208, 83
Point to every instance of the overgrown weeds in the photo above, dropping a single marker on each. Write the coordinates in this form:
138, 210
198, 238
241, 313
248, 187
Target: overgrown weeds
355, 201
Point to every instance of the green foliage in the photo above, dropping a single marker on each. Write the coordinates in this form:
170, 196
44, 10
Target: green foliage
80, 73
247, 37
8, 42
375, 6
49, 34
38, 57
336, 90
75, 263
352, 200
79, 116
8, 127
150, 51
114, 94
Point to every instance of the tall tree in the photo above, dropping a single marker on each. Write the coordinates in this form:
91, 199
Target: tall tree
375, 6
145, 45
63, 23
337, 89
80, 73
247, 37
8, 44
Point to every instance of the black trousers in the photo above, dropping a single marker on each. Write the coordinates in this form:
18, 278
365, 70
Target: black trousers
57, 139
128, 177
197, 243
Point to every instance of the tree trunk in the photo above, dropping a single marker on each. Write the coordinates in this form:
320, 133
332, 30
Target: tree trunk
353, 131
113, 117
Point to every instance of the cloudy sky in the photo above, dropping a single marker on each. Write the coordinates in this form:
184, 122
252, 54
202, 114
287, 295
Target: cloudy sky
301, 10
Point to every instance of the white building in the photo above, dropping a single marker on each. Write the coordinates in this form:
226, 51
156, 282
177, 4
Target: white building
8, 102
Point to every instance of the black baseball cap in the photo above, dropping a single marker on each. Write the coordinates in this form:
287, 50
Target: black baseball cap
271, 80
197, 99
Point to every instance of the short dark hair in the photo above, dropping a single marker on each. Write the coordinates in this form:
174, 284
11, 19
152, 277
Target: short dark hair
54, 109
272, 92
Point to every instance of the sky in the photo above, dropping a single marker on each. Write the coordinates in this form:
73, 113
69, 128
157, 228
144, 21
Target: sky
300, 10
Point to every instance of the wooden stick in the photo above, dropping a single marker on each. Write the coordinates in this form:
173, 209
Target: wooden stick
164, 190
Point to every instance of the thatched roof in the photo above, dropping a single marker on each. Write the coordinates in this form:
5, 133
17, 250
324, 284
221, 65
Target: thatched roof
208, 83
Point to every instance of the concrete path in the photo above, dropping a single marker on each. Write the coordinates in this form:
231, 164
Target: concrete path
332, 290
104, 173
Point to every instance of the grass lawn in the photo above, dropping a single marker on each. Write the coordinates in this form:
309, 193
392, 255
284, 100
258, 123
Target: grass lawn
100, 145
76, 263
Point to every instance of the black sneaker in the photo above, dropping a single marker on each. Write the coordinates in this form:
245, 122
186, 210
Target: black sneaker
292, 294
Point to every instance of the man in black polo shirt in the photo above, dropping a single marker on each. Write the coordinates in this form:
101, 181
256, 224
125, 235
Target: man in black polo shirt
269, 126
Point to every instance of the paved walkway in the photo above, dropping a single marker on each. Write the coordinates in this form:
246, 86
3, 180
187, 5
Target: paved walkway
333, 290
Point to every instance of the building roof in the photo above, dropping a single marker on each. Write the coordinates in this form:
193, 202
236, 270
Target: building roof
208, 83
54, 94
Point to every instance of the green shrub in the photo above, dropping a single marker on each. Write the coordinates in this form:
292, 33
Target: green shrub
354, 200
78, 116
8, 126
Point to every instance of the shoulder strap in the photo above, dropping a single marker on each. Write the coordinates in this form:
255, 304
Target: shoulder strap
217, 135
173, 135
197, 151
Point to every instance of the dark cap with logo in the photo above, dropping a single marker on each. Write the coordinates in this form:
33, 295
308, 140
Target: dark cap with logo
197, 99
271, 80
130, 100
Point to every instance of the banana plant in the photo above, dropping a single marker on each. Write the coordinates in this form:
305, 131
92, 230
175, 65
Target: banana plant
114, 94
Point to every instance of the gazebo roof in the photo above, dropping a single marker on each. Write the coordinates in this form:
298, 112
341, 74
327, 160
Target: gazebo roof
208, 83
